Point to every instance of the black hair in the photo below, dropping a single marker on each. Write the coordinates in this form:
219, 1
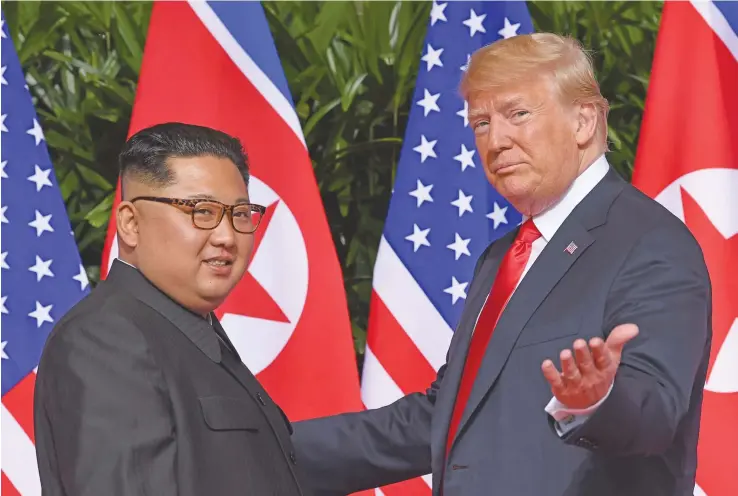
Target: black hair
145, 154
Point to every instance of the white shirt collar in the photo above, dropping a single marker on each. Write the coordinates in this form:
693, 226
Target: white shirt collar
549, 221
127, 263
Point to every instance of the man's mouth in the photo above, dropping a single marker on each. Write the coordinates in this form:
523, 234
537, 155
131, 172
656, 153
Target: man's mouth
505, 165
219, 262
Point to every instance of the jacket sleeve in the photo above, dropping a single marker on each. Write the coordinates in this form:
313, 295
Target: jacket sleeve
354, 451
351, 452
663, 288
102, 414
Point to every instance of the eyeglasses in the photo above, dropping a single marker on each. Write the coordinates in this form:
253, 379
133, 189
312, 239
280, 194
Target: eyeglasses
207, 214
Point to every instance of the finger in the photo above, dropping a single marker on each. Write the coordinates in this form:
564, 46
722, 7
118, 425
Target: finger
552, 376
621, 335
584, 357
569, 368
601, 354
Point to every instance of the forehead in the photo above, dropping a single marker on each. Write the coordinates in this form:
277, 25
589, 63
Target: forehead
207, 175
501, 98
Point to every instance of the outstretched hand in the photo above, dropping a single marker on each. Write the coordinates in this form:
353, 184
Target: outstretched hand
585, 381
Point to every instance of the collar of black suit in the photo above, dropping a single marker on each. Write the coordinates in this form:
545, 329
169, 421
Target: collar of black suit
196, 328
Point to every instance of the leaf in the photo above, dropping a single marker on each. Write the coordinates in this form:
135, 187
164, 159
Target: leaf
359, 335
102, 12
340, 181
68, 185
93, 178
39, 37
326, 25
57, 140
351, 89
613, 135
130, 36
640, 79
317, 116
99, 215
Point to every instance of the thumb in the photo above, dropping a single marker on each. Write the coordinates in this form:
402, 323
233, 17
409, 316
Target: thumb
621, 335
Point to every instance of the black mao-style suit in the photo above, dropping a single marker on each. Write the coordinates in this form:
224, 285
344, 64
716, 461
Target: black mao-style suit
136, 395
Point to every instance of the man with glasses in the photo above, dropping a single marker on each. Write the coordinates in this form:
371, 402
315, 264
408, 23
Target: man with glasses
139, 390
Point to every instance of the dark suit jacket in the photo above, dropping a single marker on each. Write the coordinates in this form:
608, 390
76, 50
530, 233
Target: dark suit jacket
135, 395
635, 262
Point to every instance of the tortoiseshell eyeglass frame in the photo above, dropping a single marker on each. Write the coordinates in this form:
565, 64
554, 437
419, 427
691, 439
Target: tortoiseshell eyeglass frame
186, 203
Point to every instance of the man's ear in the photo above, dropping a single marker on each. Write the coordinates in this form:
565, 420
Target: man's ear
127, 223
586, 123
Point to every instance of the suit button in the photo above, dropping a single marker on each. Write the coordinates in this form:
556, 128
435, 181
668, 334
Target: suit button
260, 398
293, 458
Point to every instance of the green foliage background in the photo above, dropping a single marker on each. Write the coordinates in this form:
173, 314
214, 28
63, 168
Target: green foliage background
351, 67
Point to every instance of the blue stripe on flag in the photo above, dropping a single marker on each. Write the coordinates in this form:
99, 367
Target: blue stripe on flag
247, 23
730, 11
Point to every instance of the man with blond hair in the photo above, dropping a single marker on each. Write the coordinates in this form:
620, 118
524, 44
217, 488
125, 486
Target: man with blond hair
599, 281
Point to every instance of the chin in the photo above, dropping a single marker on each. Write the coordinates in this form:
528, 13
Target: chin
520, 191
212, 302
216, 291
519, 196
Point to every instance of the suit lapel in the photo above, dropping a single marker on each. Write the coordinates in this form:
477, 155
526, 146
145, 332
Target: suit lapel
234, 365
480, 293
480, 288
201, 334
218, 327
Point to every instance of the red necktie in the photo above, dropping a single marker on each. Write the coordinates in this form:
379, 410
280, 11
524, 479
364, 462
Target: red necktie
507, 278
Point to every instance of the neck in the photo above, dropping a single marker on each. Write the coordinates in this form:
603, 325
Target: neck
588, 156
127, 258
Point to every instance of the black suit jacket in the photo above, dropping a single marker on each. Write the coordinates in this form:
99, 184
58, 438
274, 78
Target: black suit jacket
135, 395
634, 262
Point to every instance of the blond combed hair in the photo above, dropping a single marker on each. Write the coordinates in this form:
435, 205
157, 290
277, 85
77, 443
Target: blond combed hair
527, 57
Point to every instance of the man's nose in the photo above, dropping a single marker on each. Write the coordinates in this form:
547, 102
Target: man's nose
499, 138
224, 234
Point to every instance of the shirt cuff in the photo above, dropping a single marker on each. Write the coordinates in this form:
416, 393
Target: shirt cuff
570, 418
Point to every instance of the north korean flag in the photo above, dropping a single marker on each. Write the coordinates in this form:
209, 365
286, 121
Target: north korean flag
687, 159
215, 64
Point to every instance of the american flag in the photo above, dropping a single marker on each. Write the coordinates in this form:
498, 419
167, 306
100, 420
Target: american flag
442, 215
42, 275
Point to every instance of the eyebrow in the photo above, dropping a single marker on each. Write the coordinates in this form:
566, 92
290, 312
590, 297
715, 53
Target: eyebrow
204, 196
476, 112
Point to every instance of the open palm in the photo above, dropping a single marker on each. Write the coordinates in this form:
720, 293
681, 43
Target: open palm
587, 374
